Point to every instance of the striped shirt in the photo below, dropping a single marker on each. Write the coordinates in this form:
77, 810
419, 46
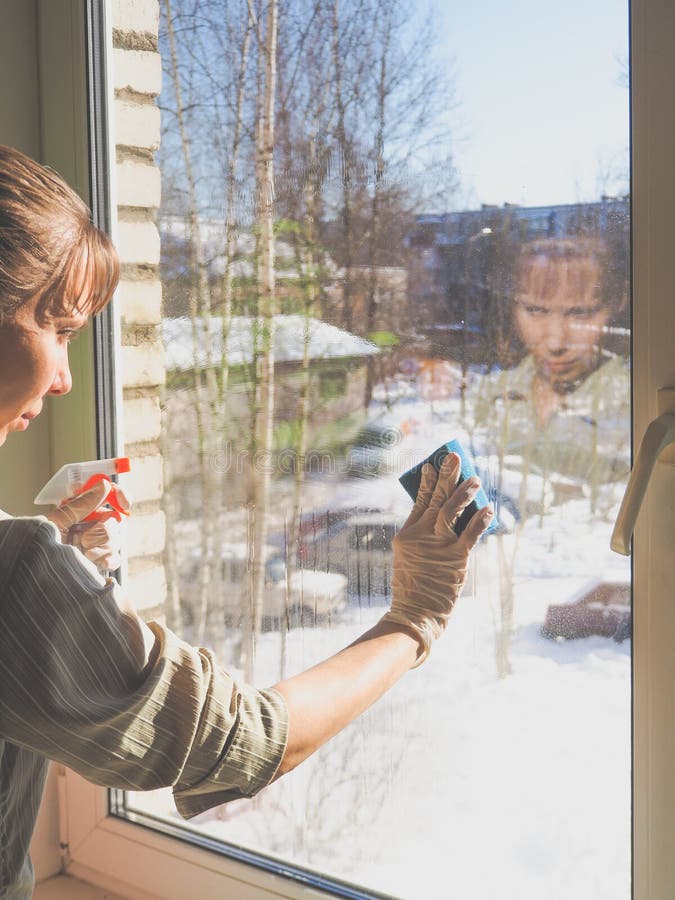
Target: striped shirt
127, 705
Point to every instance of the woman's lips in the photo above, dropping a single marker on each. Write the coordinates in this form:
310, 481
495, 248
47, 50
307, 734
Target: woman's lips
559, 368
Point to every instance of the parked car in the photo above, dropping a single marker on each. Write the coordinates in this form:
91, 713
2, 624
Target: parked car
375, 450
600, 608
357, 545
309, 596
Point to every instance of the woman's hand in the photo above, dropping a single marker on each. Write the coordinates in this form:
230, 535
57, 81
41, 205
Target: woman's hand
100, 540
430, 564
430, 561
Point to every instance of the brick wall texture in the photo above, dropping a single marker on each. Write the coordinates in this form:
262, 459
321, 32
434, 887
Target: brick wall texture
137, 74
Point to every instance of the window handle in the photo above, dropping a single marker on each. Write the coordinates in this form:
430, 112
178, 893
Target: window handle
659, 434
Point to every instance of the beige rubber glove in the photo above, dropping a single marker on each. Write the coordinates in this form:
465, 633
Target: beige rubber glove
430, 561
99, 540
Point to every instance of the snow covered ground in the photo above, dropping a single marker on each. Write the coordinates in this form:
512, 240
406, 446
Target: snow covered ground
460, 784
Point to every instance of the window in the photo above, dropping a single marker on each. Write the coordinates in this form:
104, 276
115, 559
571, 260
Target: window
332, 384
495, 674
539, 398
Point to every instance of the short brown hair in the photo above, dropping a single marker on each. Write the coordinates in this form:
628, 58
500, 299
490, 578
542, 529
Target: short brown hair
49, 246
580, 265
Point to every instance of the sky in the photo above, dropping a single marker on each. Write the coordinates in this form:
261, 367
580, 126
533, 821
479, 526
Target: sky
543, 112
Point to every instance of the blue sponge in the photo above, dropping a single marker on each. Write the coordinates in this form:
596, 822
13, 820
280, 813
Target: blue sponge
412, 478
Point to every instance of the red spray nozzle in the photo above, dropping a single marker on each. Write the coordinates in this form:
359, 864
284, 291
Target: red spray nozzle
111, 499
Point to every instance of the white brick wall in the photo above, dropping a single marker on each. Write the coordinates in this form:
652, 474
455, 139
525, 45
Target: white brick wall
148, 588
139, 71
138, 243
142, 366
142, 420
138, 184
140, 302
137, 124
136, 15
137, 78
145, 479
146, 534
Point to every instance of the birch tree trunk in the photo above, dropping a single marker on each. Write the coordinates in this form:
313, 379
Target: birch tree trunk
230, 201
204, 384
378, 178
345, 157
260, 465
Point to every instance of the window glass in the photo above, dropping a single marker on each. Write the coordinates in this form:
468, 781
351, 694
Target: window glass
424, 242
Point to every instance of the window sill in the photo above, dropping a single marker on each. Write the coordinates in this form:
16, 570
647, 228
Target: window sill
62, 887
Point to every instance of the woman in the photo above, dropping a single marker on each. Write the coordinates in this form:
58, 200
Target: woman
83, 680
564, 410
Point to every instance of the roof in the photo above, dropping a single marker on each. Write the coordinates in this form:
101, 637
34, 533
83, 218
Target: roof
290, 333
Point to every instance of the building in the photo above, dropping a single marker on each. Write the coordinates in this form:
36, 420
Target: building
318, 368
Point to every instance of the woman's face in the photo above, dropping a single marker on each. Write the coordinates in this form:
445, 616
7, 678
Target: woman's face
561, 320
33, 364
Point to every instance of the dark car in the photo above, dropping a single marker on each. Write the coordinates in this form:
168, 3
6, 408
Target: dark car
374, 451
602, 608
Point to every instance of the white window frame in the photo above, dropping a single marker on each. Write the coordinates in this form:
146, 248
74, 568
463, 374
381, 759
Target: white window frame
140, 863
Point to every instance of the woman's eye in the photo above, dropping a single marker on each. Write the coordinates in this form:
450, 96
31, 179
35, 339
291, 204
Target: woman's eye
68, 334
581, 313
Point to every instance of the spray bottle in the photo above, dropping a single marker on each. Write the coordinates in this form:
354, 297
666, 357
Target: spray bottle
76, 478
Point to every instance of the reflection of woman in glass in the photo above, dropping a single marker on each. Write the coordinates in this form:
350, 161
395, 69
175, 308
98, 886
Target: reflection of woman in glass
565, 408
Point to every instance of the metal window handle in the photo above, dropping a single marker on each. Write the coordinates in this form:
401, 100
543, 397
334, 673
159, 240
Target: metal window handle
658, 435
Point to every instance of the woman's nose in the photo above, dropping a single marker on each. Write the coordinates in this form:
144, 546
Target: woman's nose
63, 380
557, 334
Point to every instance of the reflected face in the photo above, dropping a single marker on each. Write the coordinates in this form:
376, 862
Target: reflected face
560, 320
33, 364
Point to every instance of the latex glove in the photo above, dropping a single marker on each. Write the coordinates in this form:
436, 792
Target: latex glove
100, 540
430, 561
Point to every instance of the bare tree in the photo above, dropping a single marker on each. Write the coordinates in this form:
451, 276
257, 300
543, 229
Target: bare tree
200, 309
280, 128
260, 480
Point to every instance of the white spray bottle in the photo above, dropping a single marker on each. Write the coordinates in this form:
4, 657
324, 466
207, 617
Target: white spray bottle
75, 478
